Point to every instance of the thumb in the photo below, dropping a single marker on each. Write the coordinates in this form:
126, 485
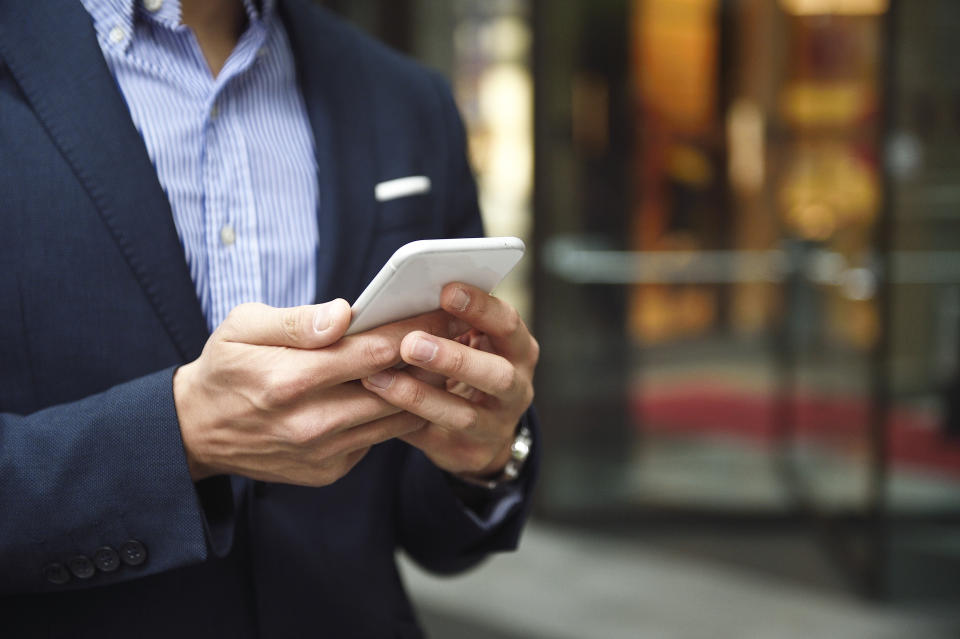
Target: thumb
306, 327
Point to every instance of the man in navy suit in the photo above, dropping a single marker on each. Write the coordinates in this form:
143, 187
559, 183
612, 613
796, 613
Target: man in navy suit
157, 479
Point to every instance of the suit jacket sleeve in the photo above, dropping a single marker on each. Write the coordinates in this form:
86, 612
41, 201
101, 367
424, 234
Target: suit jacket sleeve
436, 528
101, 471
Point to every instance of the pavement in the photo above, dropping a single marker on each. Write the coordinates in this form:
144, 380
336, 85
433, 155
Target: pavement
570, 584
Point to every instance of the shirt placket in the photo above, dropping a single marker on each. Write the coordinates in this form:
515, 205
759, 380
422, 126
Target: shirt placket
230, 212
230, 217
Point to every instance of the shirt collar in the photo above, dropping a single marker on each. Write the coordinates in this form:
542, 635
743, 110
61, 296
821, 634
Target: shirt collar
113, 19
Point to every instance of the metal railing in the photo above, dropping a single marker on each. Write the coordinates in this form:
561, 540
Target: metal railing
577, 260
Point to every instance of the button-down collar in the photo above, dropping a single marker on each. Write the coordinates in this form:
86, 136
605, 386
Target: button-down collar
114, 19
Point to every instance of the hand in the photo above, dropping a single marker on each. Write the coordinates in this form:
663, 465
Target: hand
489, 370
274, 394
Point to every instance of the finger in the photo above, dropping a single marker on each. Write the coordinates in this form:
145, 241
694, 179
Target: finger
491, 373
439, 323
452, 452
437, 406
488, 314
373, 433
428, 438
465, 391
336, 410
434, 379
363, 354
304, 327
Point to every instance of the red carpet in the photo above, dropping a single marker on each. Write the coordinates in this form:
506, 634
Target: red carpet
840, 423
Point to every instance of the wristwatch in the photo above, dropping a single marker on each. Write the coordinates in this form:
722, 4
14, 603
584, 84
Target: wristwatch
519, 452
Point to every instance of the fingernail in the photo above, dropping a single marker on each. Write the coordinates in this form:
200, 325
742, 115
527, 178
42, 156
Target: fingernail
423, 350
460, 300
381, 380
322, 318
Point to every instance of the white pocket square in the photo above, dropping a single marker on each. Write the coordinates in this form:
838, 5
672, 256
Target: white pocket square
401, 187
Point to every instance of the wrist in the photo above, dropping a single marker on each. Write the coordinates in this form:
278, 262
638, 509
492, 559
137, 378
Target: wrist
495, 468
185, 405
501, 472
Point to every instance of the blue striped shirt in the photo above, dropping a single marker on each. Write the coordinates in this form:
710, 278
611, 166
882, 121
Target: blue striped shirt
234, 153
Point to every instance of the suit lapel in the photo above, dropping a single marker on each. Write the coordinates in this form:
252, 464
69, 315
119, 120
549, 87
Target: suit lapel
342, 118
52, 52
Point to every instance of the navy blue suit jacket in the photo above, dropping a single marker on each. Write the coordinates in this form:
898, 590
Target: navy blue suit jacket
98, 309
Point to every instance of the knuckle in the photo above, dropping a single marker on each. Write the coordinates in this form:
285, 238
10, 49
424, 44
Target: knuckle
249, 308
506, 379
336, 421
458, 361
271, 397
239, 311
379, 351
234, 319
468, 420
300, 436
528, 395
371, 436
291, 324
415, 395
534, 351
300, 433
512, 321
279, 389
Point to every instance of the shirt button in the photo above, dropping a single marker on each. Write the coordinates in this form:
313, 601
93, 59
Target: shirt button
152, 5
262, 52
56, 574
117, 34
81, 567
133, 553
106, 559
214, 112
227, 235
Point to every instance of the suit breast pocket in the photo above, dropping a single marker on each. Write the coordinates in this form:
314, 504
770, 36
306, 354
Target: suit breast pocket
408, 212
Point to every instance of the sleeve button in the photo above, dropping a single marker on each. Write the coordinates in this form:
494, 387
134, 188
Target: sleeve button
81, 567
56, 574
106, 559
133, 553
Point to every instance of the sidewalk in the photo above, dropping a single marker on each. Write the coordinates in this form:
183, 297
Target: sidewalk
564, 584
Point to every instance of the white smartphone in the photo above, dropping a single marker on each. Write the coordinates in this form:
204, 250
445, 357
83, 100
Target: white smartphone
411, 281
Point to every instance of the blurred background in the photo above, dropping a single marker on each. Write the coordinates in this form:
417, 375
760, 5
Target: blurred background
743, 221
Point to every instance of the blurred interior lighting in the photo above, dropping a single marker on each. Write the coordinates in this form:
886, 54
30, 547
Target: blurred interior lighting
826, 188
689, 165
745, 141
506, 38
813, 221
506, 104
904, 154
816, 104
835, 7
494, 87
676, 43
858, 284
